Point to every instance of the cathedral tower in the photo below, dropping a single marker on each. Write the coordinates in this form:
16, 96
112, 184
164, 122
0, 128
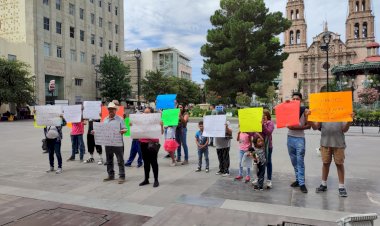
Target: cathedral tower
295, 37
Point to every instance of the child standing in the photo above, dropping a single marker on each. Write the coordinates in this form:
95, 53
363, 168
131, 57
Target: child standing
171, 144
258, 155
245, 142
202, 144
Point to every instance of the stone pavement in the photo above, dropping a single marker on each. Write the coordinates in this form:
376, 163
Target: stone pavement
184, 193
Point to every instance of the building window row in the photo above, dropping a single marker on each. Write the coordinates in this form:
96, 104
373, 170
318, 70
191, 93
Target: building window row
73, 54
58, 4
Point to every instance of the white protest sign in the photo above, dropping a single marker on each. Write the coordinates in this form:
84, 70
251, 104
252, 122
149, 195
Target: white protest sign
214, 125
72, 113
108, 134
145, 125
48, 115
92, 109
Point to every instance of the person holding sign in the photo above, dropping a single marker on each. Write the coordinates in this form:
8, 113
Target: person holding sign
181, 134
223, 145
91, 144
149, 150
296, 146
112, 118
268, 127
333, 144
77, 142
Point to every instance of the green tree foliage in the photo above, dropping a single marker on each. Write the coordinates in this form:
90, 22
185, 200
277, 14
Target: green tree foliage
242, 53
271, 94
156, 83
114, 79
212, 97
243, 99
15, 83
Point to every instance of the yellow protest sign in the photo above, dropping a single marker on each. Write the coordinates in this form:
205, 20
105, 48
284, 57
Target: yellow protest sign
35, 123
250, 119
331, 107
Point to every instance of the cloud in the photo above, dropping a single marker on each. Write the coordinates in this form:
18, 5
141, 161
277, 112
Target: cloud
183, 24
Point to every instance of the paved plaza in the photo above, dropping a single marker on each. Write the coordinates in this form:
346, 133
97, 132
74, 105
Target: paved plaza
30, 196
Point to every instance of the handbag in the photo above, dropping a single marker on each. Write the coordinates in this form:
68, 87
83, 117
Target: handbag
154, 146
44, 144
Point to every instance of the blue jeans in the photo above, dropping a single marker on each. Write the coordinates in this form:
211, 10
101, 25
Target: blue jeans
296, 149
54, 146
205, 153
269, 164
241, 154
180, 136
135, 149
77, 143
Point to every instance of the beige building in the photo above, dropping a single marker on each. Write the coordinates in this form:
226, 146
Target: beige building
62, 40
307, 65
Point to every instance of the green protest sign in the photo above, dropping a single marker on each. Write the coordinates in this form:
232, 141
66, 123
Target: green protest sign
170, 117
128, 133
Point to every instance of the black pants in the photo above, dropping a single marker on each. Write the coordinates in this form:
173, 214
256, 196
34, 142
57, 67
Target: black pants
119, 152
149, 159
91, 145
260, 174
224, 159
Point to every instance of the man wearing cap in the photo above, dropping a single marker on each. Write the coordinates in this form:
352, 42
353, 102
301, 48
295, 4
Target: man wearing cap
111, 150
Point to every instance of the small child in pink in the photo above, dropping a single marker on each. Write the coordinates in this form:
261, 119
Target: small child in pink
245, 142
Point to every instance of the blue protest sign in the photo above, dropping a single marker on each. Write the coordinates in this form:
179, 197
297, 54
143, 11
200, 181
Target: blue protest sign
166, 101
219, 108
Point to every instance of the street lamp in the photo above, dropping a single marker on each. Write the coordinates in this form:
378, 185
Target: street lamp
137, 54
325, 47
96, 81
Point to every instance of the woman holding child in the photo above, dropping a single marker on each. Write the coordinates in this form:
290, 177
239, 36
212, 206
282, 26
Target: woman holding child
268, 127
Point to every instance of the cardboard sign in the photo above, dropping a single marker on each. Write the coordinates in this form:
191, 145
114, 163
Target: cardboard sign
331, 107
92, 109
214, 125
72, 113
128, 127
250, 119
166, 101
35, 123
145, 126
119, 112
108, 134
170, 117
48, 115
288, 114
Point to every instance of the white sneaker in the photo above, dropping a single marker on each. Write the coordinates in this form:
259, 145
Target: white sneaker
100, 162
269, 184
318, 151
59, 171
172, 164
254, 182
225, 174
89, 160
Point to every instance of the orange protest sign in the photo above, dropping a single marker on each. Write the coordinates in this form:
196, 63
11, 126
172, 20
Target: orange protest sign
70, 125
120, 112
331, 107
288, 114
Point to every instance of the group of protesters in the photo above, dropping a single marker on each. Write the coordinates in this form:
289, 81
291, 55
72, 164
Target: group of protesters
254, 151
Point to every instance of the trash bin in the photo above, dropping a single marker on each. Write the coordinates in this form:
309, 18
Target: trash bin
358, 220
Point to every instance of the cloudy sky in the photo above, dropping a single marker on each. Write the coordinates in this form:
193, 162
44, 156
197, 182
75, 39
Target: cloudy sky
183, 24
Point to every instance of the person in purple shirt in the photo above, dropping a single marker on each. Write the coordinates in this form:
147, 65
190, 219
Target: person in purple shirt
268, 127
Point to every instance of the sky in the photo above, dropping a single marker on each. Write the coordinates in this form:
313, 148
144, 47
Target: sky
183, 24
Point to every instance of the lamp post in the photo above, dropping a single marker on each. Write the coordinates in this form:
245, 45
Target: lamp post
96, 81
137, 54
325, 47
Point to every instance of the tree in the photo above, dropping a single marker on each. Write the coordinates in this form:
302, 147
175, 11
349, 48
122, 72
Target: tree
156, 83
16, 85
271, 94
212, 97
114, 80
368, 96
242, 48
243, 99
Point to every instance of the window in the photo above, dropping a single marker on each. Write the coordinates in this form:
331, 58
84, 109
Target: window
109, 7
73, 55
116, 28
59, 51
117, 47
101, 59
92, 1
356, 31
110, 45
46, 23
298, 37
291, 41
92, 18
92, 39
12, 57
81, 35
100, 41
97, 83
71, 9
58, 27
100, 22
109, 25
78, 82
365, 30
72, 32
93, 59
100, 3
45, 2
58, 4
82, 57
46, 49
295, 75
81, 13
116, 9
